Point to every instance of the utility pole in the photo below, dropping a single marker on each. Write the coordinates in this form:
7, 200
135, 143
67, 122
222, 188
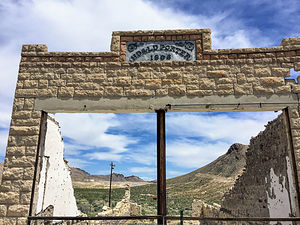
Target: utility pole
112, 166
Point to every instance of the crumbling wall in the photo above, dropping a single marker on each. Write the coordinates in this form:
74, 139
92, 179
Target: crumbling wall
55, 184
266, 187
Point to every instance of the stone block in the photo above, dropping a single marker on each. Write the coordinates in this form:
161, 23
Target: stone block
297, 66
286, 89
49, 92
206, 83
122, 81
3, 210
244, 89
112, 91
13, 173
263, 72
153, 83
18, 210
26, 185
29, 103
88, 93
174, 75
28, 173
161, 92
9, 198
199, 92
217, 73
281, 72
66, 92
272, 81
27, 140
31, 84
177, 90
26, 92
24, 130
139, 93
98, 77
14, 150
247, 69
25, 198
8, 221
260, 90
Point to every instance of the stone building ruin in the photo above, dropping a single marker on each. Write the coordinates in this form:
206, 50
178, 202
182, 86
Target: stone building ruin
186, 75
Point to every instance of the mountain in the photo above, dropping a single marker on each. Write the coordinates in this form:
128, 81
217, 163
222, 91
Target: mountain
211, 181
79, 175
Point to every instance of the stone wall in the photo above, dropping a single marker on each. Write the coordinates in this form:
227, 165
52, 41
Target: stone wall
267, 187
220, 80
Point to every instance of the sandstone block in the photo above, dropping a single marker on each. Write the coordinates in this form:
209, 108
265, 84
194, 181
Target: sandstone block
272, 81
29, 103
225, 80
192, 87
15, 150
225, 86
177, 90
21, 115
171, 81
8, 221
296, 88
26, 185
27, 140
25, 122
281, 72
161, 92
9, 198
286, 89
3, 210
98, 77
49, 92
205, 83
18, 104
295, 122
18, 210
260, 90
28, 173
122, 81
144, 75
21, 161
263, 72
153, 83
245, 89
66, 92
199, 92
247, 69
24, 76
26, 92
24, 130
241, 78
25, 198
57, 83
30, 84
224, 92
113, 91
139, 93
217, 73
22, 221
297, 66
138, 82
174, 75
88, 93
89, 86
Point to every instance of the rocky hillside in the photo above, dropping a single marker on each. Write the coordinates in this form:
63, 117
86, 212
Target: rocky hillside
79, 175
210, 182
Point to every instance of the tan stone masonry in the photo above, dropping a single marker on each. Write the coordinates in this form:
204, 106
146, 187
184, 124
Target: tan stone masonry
224, 79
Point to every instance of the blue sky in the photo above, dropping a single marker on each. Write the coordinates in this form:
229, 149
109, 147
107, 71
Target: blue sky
129, 139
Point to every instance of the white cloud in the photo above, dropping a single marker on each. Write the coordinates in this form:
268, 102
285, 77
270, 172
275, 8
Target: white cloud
194, 154
107, 156
3, 141
78, 163
218, 127
91, 130
143, 170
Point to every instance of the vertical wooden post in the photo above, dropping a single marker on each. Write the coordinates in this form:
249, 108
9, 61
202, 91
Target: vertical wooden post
40, 149
161, 167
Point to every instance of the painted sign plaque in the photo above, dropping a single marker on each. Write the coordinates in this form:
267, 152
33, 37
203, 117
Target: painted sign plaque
161, 51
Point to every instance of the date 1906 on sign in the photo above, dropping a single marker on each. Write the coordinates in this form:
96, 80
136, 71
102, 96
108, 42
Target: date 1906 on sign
157, 57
